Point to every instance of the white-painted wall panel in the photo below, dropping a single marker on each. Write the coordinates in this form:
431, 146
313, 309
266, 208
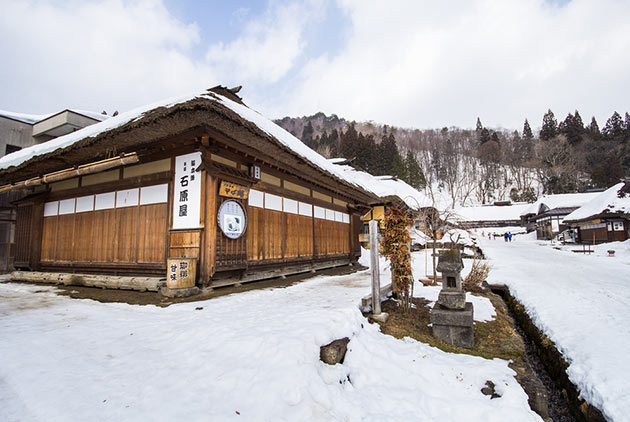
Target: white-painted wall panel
157, 194
255, 198
320, 212
305, 209
273, 202
85, 203
105, 201
290, 206
51, 208
127, 198
66, 206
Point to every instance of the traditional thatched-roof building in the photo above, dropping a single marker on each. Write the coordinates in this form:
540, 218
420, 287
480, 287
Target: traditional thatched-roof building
201, 177
546, 214
605, 218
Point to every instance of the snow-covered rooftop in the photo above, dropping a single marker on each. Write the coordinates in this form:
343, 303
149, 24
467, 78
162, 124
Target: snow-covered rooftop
91, 114
266, 125
564, 200
31, 119
18, 157
491, 212
24, 117
385, 186
607, 201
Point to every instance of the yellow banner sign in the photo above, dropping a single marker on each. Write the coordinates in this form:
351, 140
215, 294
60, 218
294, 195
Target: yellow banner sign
232, 190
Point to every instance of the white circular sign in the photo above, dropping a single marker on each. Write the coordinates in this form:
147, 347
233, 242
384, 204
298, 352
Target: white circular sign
232, 219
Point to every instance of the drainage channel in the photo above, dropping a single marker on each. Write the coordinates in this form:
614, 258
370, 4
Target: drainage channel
563, 400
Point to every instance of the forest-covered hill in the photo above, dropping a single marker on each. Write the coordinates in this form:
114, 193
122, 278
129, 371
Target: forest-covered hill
481, 165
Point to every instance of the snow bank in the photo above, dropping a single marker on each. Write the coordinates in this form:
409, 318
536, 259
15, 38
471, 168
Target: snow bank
582, 303
252, 355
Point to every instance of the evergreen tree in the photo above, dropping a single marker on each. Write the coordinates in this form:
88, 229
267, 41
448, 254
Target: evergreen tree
387, 153
366, 152
478, 127
398, 168
613, 130
549, 126
593, 129
484, 136
572, 128
527, 131
333, 141
348, 144
577, 121
307, 135
415, 176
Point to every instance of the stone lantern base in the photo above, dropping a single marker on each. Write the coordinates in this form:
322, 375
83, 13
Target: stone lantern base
453, 326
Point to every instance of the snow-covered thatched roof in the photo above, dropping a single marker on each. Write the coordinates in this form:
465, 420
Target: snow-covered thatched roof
611, 201
385, 187
563, 200
142, 126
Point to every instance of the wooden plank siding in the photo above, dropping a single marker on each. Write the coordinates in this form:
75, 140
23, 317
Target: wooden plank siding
276, 236
184, 244
23, 231
127, 235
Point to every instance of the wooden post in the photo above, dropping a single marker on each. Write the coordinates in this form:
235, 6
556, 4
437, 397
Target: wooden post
376, 282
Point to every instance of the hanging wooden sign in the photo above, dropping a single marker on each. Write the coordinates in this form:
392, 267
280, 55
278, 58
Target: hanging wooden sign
232, 190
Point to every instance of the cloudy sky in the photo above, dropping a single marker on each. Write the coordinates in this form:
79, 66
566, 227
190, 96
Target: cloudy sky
409, 63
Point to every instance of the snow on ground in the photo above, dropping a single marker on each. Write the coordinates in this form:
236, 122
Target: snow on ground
582, 303
247, 356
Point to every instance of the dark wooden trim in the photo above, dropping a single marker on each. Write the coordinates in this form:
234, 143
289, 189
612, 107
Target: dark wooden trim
130, 183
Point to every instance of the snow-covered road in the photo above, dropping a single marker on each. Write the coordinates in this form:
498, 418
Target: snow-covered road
252, 356
582, 303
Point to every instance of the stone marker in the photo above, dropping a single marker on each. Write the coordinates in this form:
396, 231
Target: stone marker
452, 316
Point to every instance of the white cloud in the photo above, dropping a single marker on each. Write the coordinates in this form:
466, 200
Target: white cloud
269, 46
430, 64
406, 62
108, 54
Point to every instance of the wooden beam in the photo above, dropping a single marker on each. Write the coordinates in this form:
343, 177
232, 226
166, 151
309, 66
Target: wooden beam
69, 173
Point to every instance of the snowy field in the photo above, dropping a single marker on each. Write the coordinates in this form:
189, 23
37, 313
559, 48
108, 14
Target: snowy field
582, 303
252, 356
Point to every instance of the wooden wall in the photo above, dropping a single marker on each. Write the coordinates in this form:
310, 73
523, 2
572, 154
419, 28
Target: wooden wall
130, 235
283, 235
274, 236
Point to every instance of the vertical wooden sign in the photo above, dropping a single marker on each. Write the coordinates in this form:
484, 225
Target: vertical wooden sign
187, 191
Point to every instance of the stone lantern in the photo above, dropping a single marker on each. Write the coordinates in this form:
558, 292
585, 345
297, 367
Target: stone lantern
452, 316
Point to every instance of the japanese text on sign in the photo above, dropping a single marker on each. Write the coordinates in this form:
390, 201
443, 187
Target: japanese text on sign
187, 191
232, 190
